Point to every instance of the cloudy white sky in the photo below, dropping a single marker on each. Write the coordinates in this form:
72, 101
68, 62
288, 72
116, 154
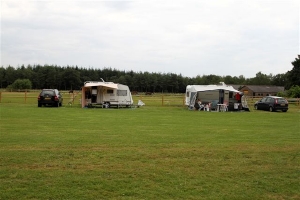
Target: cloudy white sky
188, 37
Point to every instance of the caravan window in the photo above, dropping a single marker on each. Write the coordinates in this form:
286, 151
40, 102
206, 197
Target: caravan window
110, 92
121, 92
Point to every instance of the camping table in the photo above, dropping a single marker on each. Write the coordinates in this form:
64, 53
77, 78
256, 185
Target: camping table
221, 107
236, 106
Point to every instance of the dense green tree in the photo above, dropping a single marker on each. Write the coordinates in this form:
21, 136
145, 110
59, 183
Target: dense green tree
260, 79
40, 77
210, 79
114, 79
229, 80
279, 80
51, 78
70, 77
2, 76
196, 81
154, 82
293, 76
122, 80
146, 78
84, 75
10, 75
162, 83
241, 80
173, 83
94, 75
128, 80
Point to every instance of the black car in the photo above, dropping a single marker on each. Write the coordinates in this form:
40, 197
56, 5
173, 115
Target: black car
272, 103
50, 97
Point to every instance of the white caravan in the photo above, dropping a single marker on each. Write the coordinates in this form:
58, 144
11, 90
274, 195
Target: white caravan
214, 94
105, 94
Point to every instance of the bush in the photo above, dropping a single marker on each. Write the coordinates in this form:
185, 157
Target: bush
294, 91
20, 84
282, 94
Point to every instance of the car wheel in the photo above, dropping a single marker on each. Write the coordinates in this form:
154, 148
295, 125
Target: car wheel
39, 105
255, 107
284, 110
271, 109
60, 104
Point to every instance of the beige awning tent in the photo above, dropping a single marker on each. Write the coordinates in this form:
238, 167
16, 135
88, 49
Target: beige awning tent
104, 84
89, 85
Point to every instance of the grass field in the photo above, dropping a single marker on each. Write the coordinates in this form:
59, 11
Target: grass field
152, 152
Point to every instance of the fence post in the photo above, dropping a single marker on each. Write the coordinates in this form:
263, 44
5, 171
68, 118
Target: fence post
25, 96
73, 98
162, 100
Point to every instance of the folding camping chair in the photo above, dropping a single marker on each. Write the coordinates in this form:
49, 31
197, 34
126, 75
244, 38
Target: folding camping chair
140, 103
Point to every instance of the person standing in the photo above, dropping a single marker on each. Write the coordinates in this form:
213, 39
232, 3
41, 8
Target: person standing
238, 97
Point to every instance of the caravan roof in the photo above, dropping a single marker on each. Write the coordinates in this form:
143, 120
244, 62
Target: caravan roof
104, 84
202, 88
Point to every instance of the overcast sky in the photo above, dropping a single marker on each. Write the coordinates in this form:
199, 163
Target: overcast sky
201, 37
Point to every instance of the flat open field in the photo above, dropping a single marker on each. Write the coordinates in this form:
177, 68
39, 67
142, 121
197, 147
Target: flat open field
152, 152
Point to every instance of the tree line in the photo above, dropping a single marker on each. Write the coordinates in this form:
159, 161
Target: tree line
73, 78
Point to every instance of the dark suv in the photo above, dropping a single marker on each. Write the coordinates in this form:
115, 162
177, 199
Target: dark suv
50, 97
272, 103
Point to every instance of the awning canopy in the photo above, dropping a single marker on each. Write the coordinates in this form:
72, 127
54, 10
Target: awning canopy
103, 84
203, 88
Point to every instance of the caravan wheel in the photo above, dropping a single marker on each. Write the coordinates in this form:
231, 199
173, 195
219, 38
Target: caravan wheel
106, 105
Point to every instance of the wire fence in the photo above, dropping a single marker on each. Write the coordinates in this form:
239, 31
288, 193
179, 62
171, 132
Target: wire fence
74, 98
157, 99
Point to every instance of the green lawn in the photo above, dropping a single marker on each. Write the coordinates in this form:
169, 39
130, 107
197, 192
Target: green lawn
151, 152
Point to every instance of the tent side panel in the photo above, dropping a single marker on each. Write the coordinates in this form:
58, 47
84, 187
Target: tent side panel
82, 97
208, 96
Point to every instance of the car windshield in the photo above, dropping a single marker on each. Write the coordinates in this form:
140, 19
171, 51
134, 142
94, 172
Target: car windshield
49, 92
281, 100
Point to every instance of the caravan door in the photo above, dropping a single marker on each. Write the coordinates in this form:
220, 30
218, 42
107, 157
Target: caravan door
221, 96
94, 94
101, 93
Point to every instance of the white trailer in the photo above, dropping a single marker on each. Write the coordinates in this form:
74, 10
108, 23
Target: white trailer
105, 94
214, 94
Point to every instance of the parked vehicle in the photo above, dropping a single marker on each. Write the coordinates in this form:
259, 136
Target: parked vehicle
106, 94
50, 97
272, 103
